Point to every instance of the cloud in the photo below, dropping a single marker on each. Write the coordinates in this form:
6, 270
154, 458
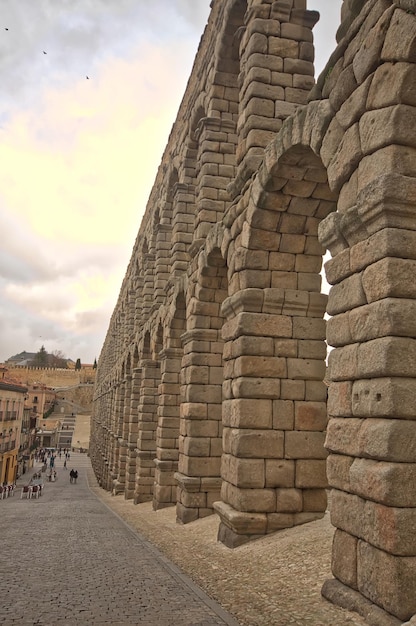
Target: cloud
79, 156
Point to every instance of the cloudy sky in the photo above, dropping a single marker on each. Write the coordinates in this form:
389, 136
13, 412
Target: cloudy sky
89, 92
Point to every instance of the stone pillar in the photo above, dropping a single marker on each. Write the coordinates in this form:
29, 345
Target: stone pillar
277, 73
217, 143
130, 315
148, 283
121, 434
163, 261
200, 440
274, 413
183, 225
132, 433
138, 303
167, 447
101, 440
146, 441
371, 403
107, 480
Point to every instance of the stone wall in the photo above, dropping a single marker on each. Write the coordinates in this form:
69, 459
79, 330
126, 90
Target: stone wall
51, 376
209, 393
81, 396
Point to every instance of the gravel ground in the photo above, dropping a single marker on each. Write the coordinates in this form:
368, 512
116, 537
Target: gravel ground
274, 581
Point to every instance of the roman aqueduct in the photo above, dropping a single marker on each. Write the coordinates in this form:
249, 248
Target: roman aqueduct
212, 393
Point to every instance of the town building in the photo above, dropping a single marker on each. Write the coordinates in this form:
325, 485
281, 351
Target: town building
40, 400
47, 433
12, 403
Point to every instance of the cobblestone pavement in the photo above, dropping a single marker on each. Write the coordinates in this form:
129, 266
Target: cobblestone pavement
67, 558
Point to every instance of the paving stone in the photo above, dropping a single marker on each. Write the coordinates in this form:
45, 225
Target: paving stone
68, 558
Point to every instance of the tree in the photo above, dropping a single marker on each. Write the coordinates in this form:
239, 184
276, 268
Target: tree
78, 365
94, 367
41, 358
57, 359
45, 359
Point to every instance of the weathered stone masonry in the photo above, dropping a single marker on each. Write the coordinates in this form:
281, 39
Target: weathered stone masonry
209, 391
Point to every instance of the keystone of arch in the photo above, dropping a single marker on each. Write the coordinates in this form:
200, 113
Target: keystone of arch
306, 129
213, 242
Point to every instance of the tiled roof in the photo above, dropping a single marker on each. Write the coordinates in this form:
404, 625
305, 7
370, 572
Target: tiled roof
11, 385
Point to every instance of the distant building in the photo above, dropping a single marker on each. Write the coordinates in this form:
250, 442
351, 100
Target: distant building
48, 433
40, 400
12, 409
22, 359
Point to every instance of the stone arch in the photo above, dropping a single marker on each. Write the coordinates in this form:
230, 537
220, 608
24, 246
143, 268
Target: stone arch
135, 357
146, 351
200, 440
272, 86
173, 182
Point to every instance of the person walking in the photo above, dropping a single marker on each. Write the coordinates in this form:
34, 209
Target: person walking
71, 476
75, 476
65, 464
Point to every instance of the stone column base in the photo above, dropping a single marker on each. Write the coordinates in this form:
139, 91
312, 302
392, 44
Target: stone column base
164, 490
239, 527
195, 497
130, 471
236, 527
129, 493
352, 600
118, 488
145, 476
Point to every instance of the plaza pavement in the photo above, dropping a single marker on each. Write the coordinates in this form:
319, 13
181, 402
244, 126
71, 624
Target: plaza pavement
66, 558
